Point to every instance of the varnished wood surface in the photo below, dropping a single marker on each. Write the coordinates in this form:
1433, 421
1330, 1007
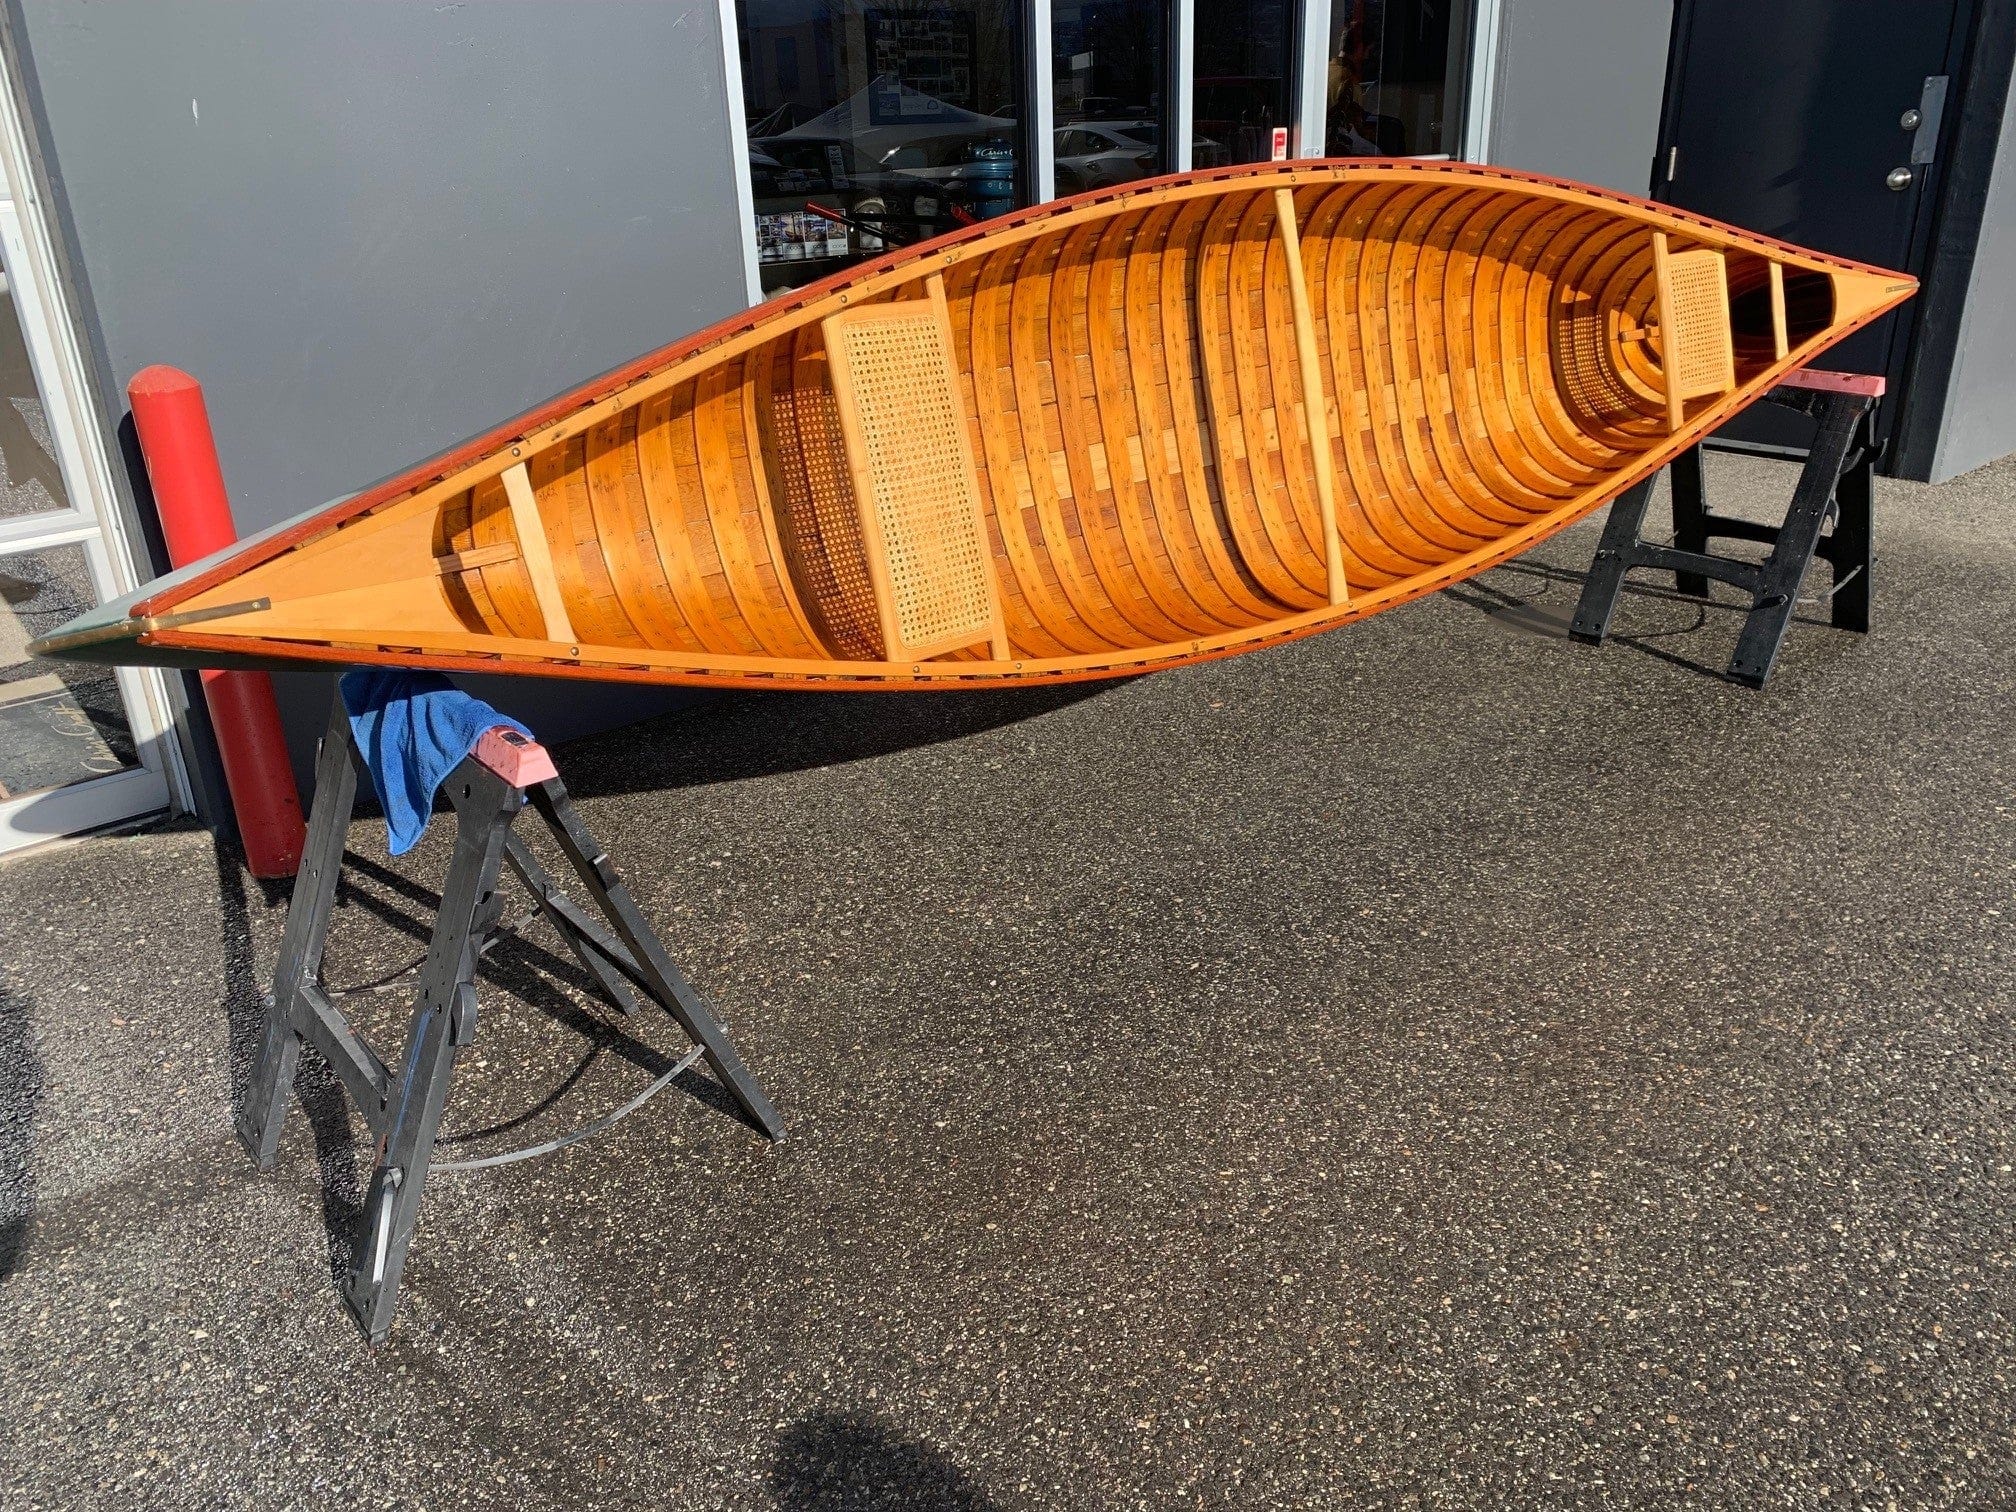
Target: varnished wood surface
1164, 421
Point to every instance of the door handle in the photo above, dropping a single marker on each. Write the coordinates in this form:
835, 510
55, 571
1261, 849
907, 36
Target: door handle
1898, 178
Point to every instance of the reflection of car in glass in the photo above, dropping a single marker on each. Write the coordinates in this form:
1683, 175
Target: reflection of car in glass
1094, 154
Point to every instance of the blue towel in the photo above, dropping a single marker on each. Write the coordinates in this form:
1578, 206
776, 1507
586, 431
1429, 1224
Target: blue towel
413, 728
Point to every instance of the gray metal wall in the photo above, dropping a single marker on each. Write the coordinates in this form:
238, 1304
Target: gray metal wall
1980, 420
372, 230
1578, 88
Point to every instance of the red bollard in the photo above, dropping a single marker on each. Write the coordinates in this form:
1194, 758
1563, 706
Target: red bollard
174, 431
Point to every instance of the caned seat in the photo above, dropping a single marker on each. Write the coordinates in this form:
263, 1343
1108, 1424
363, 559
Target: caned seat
1697, 344
915, 485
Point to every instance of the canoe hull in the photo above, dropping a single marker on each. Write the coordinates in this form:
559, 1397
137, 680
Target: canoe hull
1204, 414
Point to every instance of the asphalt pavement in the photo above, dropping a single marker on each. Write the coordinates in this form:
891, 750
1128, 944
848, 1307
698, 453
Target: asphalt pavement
1432, 1064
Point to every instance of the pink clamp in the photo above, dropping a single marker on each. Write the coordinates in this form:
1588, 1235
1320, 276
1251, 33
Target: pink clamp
522, 763
1865, 384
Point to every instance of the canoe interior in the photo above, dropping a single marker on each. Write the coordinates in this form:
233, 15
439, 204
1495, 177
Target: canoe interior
1490, 364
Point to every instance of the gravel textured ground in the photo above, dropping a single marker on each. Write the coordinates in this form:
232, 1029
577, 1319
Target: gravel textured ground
1432, 1064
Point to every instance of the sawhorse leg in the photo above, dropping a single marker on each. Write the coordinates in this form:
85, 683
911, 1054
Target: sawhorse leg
1792, 550
444, 1020
1614, 558
307, 930
1690, 517
657, 973
1851, 549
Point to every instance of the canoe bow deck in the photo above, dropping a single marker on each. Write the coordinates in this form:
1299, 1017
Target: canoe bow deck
1189, 418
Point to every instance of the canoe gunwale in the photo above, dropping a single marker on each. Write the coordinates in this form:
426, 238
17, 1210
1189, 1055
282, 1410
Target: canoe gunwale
577, 412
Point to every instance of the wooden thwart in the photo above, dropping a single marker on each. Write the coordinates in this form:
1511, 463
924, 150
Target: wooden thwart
1320, 461
1780, 342
538, 555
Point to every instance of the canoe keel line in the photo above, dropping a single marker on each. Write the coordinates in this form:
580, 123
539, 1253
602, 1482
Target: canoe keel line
1112, 434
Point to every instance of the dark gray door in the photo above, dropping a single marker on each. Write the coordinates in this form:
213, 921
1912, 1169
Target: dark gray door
1818, 121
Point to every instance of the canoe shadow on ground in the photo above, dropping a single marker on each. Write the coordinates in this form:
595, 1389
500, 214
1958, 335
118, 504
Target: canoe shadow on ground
724, 737
1535, 598
853, 1462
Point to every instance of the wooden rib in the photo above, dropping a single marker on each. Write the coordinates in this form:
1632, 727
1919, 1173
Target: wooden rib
1029, 352
773, 431
1114, 405
1527, 317
671, 517
537, 555
754, 465
1418, 494
716, 410
1312, 395
463, 589
1207, 577
1236, 427
1024, 631
1070, 373
1032, 575
824, 530
1180, 294
701, 499
1420, 369
1488, 437
1599, 268
1521, 444
623, 527
1358, 307
1592, 284
508, 585
1380, 535
1622, 273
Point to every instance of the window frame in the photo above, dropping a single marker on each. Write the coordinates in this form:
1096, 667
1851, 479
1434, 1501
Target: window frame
1470, 85
90, 520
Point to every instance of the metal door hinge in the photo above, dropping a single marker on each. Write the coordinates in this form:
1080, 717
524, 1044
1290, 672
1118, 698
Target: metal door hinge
1931, 109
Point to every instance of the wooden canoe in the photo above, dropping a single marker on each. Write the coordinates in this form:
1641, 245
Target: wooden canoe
1179, 420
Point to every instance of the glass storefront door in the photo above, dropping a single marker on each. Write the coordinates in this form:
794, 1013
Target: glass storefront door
1395, 79
1110, 74
873, 126
1244, 65
80, 746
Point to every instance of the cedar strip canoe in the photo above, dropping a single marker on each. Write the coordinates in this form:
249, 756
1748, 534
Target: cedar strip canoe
1178, 420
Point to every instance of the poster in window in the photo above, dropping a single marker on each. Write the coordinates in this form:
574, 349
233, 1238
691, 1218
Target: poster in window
923, 64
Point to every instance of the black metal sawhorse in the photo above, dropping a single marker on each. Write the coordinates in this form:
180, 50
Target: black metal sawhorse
502, 776
1836, 485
